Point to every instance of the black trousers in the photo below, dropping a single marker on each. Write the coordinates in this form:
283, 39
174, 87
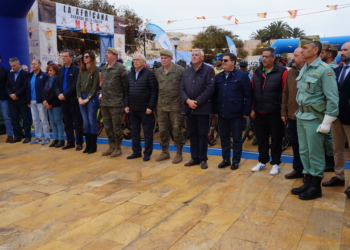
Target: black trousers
231, 127
138, 118
266, 126
15, 111
72, 121
197, 129
292, 129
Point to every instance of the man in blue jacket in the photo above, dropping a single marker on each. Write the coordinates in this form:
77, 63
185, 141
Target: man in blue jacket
231, 102
196, 90
36, 83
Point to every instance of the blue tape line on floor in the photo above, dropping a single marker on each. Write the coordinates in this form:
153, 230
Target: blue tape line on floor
251, 155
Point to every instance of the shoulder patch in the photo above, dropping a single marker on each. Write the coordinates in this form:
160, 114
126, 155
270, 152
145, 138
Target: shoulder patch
330, 74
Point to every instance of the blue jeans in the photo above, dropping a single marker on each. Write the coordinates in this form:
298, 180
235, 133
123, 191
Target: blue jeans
55, 115
89, 113
39, 115
4, 105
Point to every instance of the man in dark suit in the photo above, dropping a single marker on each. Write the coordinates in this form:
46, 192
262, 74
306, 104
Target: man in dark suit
16, 88
341, 127
232, 101
66, 91
4, 103
196, 90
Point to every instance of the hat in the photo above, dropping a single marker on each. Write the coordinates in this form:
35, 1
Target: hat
166, 52
330, 47
308, 39
113, 50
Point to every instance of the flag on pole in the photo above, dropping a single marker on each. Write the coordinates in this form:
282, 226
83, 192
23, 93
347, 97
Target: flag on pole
293, 13
236, 21
333, 7
169, 22
227, 17
262, 15
200, 17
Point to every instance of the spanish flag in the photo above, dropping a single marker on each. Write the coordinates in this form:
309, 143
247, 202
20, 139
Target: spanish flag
293, 13
227, 17
200, 17
262, 15
333, 7
169, 22
236, 21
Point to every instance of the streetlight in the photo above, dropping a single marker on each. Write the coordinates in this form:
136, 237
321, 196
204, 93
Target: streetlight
176, 42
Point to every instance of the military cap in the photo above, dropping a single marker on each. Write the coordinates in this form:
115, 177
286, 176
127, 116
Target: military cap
113, 50
166, 52
308, 39
330, 47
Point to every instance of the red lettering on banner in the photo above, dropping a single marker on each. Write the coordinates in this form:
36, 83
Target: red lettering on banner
97, 27
85, 25
77, 24
91, 26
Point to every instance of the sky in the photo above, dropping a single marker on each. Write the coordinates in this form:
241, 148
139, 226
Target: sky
324, 24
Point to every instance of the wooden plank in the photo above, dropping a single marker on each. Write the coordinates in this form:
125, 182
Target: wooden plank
127, 209
260, 212
58, 245
153, 195
111, 187
277, 190
102, 244
121, 196
331, 200
231, 243
29, 197
215, 194
221, 217
4, 195
10, 217
204, 236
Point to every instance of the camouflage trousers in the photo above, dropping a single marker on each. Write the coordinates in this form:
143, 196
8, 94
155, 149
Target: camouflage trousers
112, 120
173, 119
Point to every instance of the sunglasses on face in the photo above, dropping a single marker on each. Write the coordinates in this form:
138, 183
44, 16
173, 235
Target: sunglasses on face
218, 59
225, 60
86, 56
266, 56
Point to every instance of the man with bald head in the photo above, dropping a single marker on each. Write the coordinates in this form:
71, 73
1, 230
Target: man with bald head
341, 126
289, 107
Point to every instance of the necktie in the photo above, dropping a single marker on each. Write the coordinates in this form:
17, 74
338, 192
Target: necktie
343, 75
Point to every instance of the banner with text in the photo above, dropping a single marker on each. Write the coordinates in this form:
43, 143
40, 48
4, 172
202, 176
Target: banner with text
33, 32
48, 44
81, 19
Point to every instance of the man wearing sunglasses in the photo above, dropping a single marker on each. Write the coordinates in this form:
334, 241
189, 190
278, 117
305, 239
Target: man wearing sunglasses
268, 82
218, 65
232, 100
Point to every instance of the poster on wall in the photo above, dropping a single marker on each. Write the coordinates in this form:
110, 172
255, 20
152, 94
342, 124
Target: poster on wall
81, 19
48, 44
33, 32
119, 44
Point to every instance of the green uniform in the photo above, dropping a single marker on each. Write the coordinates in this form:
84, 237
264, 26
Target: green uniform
317, 95
169, 105
113, 82
333, 64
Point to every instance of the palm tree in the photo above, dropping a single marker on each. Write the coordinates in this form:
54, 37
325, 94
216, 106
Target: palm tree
296, 32
277, 30
260, 35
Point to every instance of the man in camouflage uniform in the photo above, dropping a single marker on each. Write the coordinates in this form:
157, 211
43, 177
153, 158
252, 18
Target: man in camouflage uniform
169, 106
113, 82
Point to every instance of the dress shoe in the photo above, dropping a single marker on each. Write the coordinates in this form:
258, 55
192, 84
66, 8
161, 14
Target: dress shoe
347, 192
68, 146
133, 156
16, 140
234, 165
191, 163
26, 140
9, 138
334, 182
54, 143
204, 165
146, 157
294, 175
224, 164
78, 147
59, 144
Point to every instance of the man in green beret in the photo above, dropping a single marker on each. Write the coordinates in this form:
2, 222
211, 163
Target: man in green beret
318, 99
169, 106
113, 82
328, 54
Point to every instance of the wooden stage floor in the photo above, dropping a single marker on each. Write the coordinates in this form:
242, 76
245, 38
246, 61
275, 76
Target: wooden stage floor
54, 199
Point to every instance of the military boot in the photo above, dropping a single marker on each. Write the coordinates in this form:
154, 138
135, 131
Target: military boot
314, 191
299, 190
178, 157
164, 155
117, 151
110, 150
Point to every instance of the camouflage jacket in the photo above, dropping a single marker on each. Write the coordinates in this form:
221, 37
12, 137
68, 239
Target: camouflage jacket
113, 83
169, 88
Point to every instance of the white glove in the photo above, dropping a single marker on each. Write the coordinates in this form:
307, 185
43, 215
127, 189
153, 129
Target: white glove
325, 126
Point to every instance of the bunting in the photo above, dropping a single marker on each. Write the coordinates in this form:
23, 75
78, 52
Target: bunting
31, 31
262, 15
169, 22
227, 17
333, 7
236, 21
293, 13
201, 17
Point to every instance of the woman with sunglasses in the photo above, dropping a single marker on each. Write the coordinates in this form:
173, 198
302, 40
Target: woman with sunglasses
87, 85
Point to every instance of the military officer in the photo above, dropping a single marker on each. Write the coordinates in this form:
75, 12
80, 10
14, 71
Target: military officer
329, 53
169, 106
113, 82
318, 99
